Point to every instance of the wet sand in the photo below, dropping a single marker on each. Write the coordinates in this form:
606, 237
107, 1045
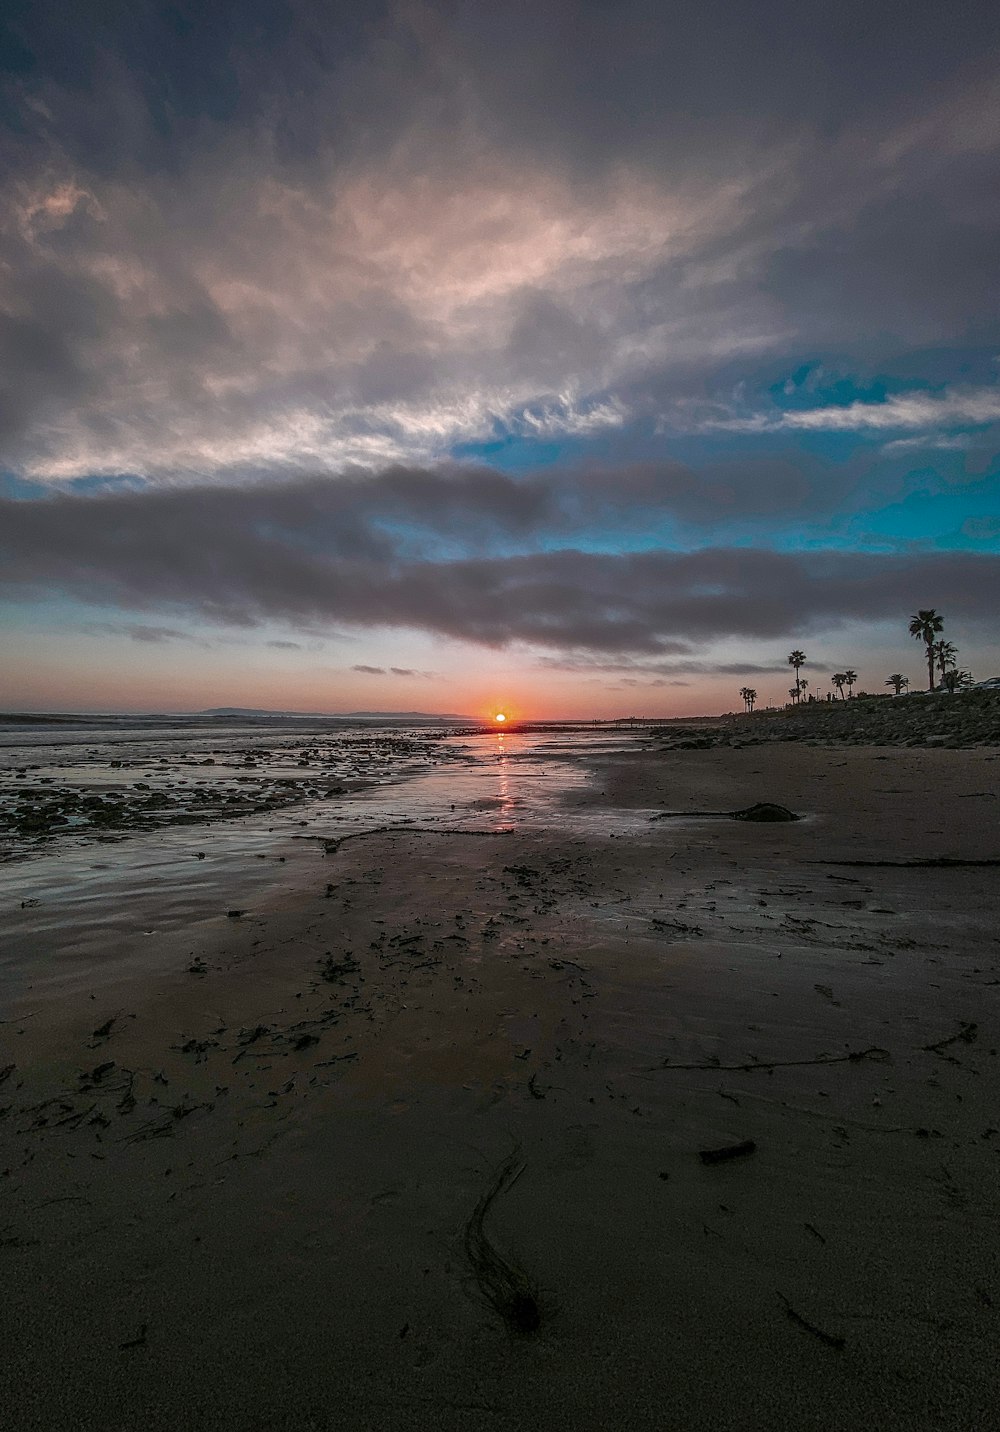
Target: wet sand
246, 1177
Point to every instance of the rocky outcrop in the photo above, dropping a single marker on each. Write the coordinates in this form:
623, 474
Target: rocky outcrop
970, 718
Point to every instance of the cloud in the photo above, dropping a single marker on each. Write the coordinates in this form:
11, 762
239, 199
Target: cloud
930, 442
242, 321
463, 511
153, 634
145, 633
910, 410
688, 666
631, 682
285, 645
369, 670
981, 529
974, 407
371, 239
247, 558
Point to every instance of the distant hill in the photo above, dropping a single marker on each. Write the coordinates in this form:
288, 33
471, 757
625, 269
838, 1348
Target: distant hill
406, 716
335, 715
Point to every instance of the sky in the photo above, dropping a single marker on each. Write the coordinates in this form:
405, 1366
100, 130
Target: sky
566, 359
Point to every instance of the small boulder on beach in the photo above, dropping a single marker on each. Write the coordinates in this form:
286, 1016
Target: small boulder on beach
764, 811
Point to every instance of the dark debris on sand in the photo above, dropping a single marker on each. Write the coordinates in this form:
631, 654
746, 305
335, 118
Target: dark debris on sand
502, 1284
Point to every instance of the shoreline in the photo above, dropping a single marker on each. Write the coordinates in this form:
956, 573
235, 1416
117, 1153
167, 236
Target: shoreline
60, 803
271, 1182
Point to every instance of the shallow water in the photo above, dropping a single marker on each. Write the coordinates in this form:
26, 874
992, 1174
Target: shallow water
104, 782
86, 903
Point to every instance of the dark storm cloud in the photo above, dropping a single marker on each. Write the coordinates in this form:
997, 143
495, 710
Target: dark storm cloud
260, 237
464, 510
244, 559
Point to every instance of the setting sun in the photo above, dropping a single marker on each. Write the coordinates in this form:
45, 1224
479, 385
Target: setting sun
501, 717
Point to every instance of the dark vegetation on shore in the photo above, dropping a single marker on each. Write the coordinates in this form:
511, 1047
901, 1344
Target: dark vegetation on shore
968, 718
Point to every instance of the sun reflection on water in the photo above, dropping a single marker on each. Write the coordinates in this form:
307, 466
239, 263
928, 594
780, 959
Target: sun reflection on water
505, 798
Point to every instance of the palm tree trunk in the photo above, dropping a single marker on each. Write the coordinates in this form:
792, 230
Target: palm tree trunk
930, 666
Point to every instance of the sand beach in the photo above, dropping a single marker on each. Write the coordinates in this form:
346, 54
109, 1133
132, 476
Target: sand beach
574, 1107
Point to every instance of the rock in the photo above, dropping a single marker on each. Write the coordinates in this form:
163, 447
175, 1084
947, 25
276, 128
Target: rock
764, 811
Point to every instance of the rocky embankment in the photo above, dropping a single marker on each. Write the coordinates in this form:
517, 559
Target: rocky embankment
971, 718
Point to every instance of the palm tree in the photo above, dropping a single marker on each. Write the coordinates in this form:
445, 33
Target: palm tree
802, 686
850, 677
925, 627
955, 680
749, 696
839, 679
897, 682
945, 653
797, 659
